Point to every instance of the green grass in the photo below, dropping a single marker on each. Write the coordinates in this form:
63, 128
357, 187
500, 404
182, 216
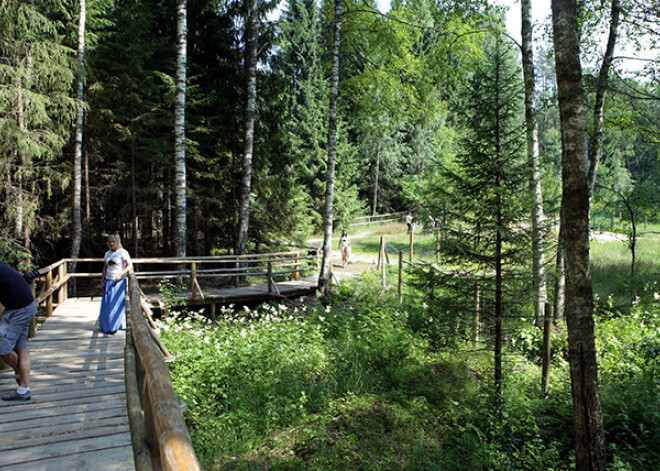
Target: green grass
611, 271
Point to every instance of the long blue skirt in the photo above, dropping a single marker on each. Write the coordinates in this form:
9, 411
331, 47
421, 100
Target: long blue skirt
111, 317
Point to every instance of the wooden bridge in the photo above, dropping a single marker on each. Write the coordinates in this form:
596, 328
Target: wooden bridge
104, 402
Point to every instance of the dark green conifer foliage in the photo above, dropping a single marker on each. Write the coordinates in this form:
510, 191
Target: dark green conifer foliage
485, 238
36, 74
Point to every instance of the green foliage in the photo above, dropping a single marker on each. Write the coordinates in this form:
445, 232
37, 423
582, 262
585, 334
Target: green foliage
36, 76
357, 382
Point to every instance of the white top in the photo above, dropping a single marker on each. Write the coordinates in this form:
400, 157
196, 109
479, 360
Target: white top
344, 242
115, 262
408, 218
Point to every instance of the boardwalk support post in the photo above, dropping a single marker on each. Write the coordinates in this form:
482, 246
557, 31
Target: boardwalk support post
193, 279
49, 301
270, 277
400, 276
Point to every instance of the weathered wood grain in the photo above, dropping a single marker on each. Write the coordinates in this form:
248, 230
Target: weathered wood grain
77, 417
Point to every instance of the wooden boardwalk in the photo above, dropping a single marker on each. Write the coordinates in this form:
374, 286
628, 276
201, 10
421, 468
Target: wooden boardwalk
252, 293
76, 419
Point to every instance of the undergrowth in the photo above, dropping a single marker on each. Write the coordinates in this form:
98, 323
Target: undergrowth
358, 383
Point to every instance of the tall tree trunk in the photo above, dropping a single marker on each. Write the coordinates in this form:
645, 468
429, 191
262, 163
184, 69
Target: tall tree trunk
601, 87
86, 184
250, 111
76, 219
134, 200
19, 220
374, 209
589, 433
498, 304
324, 277
538, 217
179, 232
560, 276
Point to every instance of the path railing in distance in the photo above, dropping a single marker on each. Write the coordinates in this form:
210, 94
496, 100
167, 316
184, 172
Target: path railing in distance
158, 431
378, 219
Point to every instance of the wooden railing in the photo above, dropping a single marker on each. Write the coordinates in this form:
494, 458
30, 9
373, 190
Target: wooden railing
231, 267
378, 219
56, 277
158, 431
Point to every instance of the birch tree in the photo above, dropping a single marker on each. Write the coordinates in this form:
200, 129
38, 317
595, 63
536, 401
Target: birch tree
76, 219
324, 277
252, 34
531, 127
180, 134
589, 433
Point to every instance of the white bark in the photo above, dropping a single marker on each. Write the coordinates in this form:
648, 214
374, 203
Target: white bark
250, 111
324, 276
180, 134
76, 219
538, 217
587, 411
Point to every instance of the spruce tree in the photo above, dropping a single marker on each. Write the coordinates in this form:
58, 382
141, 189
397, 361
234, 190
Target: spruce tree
36, 74
485, 239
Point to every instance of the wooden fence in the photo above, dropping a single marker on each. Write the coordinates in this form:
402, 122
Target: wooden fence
378, 219
56, 278
158, 431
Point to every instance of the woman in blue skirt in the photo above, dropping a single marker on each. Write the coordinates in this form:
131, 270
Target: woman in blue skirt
117, 263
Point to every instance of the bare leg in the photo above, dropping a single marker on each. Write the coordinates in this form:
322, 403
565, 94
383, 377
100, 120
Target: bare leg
11, 359
24, 364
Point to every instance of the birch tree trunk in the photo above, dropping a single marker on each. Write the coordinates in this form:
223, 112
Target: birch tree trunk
374, 209
599, 105
180, 134
560, 276
76, 216
589, 434
538, 217
250, 111
324, 277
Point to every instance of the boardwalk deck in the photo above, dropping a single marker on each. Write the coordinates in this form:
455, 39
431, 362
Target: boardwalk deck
254, 293
76, 418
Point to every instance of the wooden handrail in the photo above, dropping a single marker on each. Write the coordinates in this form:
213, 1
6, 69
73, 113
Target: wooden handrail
165, 427
57, 276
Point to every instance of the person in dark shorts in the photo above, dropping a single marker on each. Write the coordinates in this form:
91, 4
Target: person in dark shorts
20, 307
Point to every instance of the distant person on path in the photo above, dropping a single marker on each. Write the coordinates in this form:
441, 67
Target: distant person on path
345, 247
20, 307
117, 263
409, 219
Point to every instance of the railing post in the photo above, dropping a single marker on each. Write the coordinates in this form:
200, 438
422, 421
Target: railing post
270, 277
236, 277
400, 276
49, 301
61, 292
383, 266
296, 275
193, 278
411, 246
547, 349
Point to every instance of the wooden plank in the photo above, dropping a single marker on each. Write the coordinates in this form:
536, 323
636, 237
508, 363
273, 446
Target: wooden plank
37, 432
114, 459
77, 417
67, 449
